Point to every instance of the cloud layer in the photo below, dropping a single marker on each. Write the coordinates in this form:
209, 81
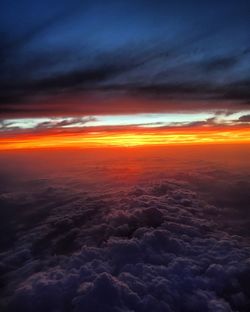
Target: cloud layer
172, 244
88, 58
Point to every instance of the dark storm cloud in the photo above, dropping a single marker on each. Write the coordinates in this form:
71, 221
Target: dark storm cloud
164, 51
153, 247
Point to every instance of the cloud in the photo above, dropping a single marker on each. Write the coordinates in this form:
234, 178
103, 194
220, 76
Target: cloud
162, 246
245, 118
74, 121
119, 76
83, 58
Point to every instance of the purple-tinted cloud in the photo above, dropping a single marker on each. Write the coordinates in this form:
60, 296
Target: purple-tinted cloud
157, 247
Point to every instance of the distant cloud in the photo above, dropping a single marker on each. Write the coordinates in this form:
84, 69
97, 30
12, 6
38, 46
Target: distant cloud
74, 121
245, 118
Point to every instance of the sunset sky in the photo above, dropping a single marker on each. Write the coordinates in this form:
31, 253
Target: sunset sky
123, 73
124, 156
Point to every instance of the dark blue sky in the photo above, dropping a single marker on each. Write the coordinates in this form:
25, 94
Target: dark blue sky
71, 57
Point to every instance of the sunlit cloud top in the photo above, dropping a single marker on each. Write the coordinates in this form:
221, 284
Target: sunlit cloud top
139, 120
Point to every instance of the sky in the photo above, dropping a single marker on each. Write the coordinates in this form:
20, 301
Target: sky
124, 156
106, 66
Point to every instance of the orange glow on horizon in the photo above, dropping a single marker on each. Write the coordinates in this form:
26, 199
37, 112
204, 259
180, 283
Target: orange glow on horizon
124, 139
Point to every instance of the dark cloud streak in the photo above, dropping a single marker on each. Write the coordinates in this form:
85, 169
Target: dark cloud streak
185, 68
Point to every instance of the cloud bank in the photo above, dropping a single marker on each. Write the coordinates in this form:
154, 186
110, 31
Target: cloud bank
165, 245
